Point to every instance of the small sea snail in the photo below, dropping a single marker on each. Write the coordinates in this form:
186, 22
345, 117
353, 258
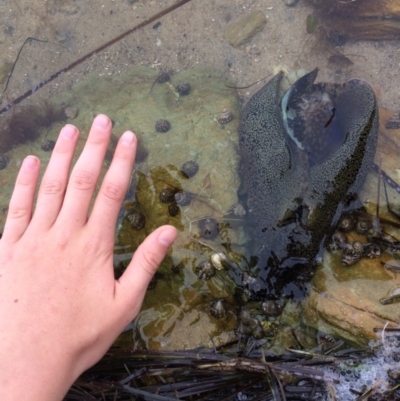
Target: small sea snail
225, 117
205, 270
217, 308
189, 169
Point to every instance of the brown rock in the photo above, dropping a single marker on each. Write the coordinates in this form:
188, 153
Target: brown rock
344, 301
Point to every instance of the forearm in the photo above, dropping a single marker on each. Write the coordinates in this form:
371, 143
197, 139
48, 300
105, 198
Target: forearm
31, 374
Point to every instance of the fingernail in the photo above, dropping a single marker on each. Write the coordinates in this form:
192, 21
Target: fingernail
31, 162
101, 121
168, 236
69, 131
128, 138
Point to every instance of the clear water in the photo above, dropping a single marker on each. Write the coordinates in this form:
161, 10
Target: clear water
190, 43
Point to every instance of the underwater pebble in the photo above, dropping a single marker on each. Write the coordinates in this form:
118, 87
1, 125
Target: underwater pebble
68, 7
71, 112
5, 70
290, 3
393, 122
241, 31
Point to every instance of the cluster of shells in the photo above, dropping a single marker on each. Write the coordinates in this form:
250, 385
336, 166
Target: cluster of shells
175, 199
207, 269
353, 251
262, 323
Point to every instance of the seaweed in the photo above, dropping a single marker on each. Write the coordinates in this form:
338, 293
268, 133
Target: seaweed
356, 20
230, 372
25, 123
242, 371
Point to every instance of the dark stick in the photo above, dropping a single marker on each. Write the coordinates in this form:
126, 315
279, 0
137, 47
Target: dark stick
88, 55
19, 53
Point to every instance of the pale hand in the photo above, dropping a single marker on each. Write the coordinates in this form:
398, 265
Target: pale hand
60, 306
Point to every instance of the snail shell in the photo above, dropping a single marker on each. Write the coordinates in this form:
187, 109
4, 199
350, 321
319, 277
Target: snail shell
182, 198
325, 338
237, 210
346, 224
48, 145
258, 331
243, 331
167, 195
352, 253
242, 296
225, 117
245, 317
183, 88
173, 209
189, 169
220, 261
162, 125
363, 226
372, 251
393, 296
208, 228
137, 220
217, 308
152, 283
163, 77
4, 161
205, 270
272, 308
338, 240
394, 374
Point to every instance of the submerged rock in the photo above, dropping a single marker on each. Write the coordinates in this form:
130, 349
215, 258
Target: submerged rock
297, 186
242, 30
346, 301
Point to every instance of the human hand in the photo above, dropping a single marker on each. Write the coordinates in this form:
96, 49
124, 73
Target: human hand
60, 305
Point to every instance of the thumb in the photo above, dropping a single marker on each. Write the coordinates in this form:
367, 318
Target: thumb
145, 262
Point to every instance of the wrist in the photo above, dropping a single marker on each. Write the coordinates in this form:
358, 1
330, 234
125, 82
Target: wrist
32, 373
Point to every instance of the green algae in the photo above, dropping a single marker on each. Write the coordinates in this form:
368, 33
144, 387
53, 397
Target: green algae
178, 307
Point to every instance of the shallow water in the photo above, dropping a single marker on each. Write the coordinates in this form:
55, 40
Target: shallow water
190, 42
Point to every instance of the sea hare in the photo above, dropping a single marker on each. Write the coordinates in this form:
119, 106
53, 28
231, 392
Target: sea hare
303, 159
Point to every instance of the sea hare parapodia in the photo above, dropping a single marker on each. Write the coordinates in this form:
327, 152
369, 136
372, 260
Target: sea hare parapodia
293, 196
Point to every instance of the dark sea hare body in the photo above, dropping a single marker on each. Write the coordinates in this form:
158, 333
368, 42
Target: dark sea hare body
296, 187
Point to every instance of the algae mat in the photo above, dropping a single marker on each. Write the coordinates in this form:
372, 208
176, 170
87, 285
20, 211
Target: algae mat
135, 101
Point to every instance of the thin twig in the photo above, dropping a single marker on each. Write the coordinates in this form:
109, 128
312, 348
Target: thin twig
92, 53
